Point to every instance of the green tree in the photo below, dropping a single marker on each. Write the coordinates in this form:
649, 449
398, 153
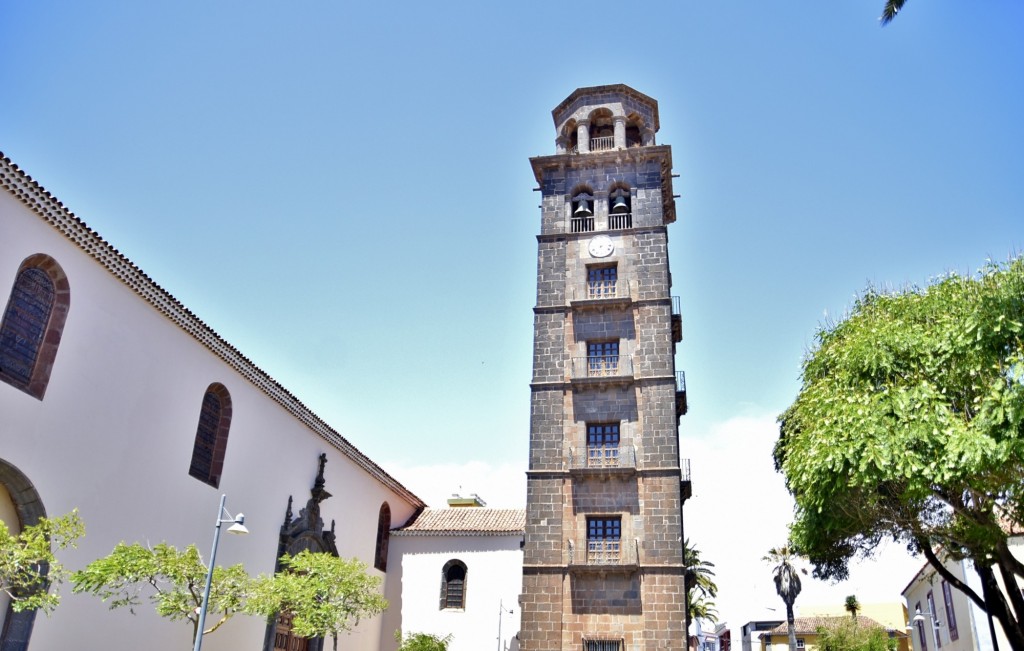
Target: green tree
852, 606
28, 567
909, 425
173, 579
848, 635
324, 594
422, 642
787, 583
701, 589
889, 11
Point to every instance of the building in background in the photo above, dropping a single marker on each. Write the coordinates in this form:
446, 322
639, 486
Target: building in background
603, 566
116, 400
808, 632
459, 571
950, 621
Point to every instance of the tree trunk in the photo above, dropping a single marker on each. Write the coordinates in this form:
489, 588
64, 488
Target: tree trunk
791, 624
996, 605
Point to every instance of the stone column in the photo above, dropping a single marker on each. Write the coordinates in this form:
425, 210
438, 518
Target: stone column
620, 131
583, 136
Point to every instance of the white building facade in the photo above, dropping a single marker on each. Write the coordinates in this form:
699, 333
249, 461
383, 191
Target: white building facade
950, 620
118, 401
460, 573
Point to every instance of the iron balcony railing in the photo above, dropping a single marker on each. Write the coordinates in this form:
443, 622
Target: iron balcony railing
682, 404
581, 224
603, 290
618, 221
603, 457
602, 366
603, 553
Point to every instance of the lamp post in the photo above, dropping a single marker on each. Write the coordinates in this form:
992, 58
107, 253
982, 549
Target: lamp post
237, 527
501, 612
919, 618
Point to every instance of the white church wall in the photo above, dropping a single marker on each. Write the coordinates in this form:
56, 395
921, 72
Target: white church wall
494, 578
114, 435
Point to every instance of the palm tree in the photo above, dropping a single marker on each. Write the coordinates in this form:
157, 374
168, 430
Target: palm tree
892, 7
852, 606
700, 587
787, 583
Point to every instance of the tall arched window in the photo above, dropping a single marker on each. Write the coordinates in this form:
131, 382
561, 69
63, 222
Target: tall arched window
33, 323
453, 585
211, 435
380, 557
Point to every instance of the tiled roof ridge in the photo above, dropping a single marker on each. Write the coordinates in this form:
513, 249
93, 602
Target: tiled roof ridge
47, 206
810, 624
465, 521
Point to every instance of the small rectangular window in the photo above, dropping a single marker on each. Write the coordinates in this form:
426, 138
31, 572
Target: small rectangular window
603, 645
800, 643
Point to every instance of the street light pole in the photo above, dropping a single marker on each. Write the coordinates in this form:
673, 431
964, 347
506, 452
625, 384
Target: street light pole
934, 624
239, 528
501, 612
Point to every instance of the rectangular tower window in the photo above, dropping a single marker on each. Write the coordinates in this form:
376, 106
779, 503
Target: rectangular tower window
603, 645
604, 539
602, 445
602, 358
601, 282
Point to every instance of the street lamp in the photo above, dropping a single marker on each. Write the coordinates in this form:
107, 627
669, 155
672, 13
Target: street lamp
501, 612
919, 618
239, 528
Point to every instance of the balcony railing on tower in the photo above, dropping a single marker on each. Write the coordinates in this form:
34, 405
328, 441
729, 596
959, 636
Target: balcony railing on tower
618, 221
677, 320
604, 143
602, 292
581, 224
603, 555
602, 367
603, 460
681, 405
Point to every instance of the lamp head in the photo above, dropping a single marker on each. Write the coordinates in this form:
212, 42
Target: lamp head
239, 526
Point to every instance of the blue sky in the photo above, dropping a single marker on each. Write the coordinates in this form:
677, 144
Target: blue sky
342, 190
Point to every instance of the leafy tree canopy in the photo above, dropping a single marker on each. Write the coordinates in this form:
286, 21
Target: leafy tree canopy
849, 635
324, 594
28, 567
172, 580
422, 642
909, 425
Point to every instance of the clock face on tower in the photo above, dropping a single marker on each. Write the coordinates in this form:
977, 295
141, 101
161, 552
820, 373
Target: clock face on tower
601, 246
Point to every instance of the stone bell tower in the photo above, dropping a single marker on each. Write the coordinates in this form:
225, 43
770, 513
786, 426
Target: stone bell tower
603, 567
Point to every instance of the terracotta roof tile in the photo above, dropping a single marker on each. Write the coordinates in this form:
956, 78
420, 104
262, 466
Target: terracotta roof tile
466, 521
810, 625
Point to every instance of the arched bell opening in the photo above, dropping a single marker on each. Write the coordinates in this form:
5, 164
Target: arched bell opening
602, 130
582, 209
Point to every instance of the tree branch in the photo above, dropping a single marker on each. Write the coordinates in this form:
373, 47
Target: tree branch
950, 577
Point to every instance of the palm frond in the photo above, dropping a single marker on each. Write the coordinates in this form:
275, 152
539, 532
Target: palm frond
889, 11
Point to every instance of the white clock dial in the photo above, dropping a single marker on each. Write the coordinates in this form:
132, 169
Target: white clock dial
601, 246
